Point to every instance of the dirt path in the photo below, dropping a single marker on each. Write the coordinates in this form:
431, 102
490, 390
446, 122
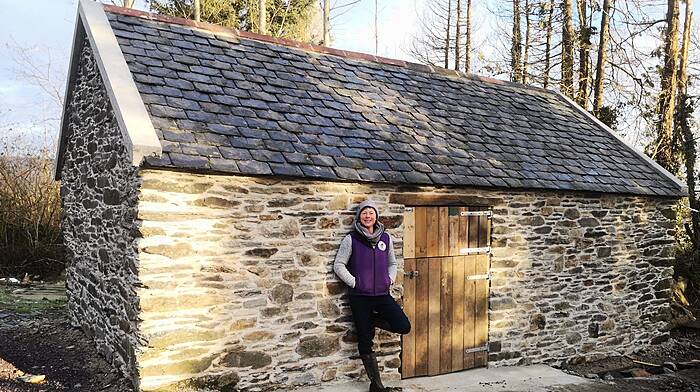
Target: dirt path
46, 344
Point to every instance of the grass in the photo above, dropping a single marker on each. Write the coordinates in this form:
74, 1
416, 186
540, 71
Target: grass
12, 303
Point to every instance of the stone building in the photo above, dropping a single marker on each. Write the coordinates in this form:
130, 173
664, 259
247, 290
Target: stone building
209, 174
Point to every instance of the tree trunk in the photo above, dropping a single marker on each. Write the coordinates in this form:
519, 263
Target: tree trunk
447, 34
262, 17
527, 43
468, 39
376, 27
326, 22
665, 152
683, 114
197, 11
602, 57
687, 27
584, 61
129, 3
548, 45
567, 51
515, 60
457, 34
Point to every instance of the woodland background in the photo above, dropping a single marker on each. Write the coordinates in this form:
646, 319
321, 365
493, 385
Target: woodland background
634, 64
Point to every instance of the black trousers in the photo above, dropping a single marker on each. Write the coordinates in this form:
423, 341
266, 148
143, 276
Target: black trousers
365, 308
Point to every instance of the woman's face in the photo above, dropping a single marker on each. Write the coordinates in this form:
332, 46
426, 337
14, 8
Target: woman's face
368, 217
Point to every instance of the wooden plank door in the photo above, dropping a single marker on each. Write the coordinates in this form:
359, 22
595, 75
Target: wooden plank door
446, 261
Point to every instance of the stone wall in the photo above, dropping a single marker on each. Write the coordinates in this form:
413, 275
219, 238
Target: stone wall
238, 288
99, 189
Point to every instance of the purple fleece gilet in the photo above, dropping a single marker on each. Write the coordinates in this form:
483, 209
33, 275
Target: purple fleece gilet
370, 266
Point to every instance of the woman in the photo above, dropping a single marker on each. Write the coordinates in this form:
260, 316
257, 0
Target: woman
367, 264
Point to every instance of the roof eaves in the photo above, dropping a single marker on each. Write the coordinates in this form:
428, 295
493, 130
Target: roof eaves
682, 189
140, 137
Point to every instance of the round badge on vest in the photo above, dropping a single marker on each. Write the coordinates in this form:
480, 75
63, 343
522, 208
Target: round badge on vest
381, 245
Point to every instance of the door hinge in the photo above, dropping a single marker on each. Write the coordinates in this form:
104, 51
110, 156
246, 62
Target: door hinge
471, 251
408, 209
411, 274
476, 349
479, 277
487, 213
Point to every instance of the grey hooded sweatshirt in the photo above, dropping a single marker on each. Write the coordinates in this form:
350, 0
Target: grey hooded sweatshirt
340, 266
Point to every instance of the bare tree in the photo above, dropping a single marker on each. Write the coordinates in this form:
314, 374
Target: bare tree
584, 72
197, 11
567, 51
602, 55
376, 27
432, 43
331, 11
326, 22
664, 151
515, 60
468, 39
448, 26
262, 17
683, 114
526, 48
549, 8
458, 33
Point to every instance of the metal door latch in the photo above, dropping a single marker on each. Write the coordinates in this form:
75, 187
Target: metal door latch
476, 349
411, 274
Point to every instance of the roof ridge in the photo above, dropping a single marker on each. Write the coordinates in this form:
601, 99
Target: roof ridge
315, 48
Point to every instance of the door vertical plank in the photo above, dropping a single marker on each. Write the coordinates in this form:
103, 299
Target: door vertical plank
421, 238
433, 230
408, 349
458, 313
482, 293
443, 232
481, 309
473, 231
463, 242
484, 231
446, 315
422, 317
434, 315
453, 227
409, 234
469, 311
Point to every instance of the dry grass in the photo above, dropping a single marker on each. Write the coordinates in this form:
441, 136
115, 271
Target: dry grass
30, 211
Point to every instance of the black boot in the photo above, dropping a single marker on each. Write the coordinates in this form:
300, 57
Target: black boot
370, 363
372, 369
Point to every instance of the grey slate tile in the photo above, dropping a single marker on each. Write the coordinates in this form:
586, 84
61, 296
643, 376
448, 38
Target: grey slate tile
286, 170
322, 160
234, 153
267, 156
346, 173
189, 161
254, 167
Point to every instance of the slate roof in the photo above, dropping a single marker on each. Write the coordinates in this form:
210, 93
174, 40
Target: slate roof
236, 103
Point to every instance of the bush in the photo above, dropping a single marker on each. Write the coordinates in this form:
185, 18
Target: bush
30, 211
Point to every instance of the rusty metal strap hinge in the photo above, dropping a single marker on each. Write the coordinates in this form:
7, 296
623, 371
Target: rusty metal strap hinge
472, 251
476, 349
487, 213
479, 277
